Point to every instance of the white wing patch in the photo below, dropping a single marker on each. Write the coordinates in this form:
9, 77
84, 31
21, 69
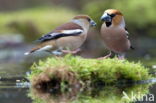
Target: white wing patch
47, 47
59, 34
27, 53
127, 33
76, 31
72, 31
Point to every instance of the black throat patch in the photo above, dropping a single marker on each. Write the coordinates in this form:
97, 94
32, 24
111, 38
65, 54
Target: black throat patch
108, 24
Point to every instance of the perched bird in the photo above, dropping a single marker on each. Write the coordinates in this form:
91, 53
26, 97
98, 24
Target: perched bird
114, 33
66, 38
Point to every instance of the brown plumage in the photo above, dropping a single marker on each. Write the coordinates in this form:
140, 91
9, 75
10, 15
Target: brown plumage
70, 36
113, 32
82, 17
113, 11
68, 26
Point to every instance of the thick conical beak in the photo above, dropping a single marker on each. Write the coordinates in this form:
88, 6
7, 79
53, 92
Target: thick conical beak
106, 18
92, 23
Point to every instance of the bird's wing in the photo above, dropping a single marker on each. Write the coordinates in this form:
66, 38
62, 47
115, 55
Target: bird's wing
127, 33
68, 29
59, 34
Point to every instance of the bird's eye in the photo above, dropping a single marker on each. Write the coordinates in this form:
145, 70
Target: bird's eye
89, 19
112, 15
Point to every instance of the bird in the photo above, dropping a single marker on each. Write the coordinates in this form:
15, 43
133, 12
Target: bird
114, 33
66, 38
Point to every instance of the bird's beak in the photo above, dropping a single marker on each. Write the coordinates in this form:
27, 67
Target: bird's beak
105, 17
92, 23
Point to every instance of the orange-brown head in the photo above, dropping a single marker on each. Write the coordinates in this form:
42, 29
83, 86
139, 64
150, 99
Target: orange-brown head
85, 19
113, 16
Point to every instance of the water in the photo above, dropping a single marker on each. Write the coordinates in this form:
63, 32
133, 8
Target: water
15, 88
12, 90
14, 95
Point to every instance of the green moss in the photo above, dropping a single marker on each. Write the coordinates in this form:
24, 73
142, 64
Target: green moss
69, 71
35, 21
94, 70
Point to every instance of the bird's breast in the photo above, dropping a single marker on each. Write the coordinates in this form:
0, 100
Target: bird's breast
115, 38
71, 42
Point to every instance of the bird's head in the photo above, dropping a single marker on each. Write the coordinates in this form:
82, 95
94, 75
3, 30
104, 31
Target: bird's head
84, 20
113, 16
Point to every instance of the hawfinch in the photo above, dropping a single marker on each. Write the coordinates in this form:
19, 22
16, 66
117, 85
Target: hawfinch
66, 38
114, 33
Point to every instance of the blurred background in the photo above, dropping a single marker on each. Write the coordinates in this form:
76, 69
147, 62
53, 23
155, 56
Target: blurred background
24, 21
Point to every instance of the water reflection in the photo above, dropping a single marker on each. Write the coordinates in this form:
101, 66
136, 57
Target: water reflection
18, 89
106, 94
14, 95
14, 90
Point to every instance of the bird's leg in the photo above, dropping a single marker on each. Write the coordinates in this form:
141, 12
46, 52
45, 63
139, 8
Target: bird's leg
71, 52
121, 56
107, 56
76, 51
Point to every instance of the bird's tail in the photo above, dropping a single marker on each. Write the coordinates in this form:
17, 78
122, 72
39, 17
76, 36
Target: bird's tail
40, 48
132, 47
31, 51
46, 46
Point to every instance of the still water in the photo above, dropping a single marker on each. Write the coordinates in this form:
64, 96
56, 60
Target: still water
18, 90
15, 88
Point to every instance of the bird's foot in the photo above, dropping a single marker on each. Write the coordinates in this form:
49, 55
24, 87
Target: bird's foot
121, 56
105, 57
57, 52
71, 52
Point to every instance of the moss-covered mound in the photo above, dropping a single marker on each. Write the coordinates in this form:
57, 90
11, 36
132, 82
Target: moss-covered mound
76, 70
